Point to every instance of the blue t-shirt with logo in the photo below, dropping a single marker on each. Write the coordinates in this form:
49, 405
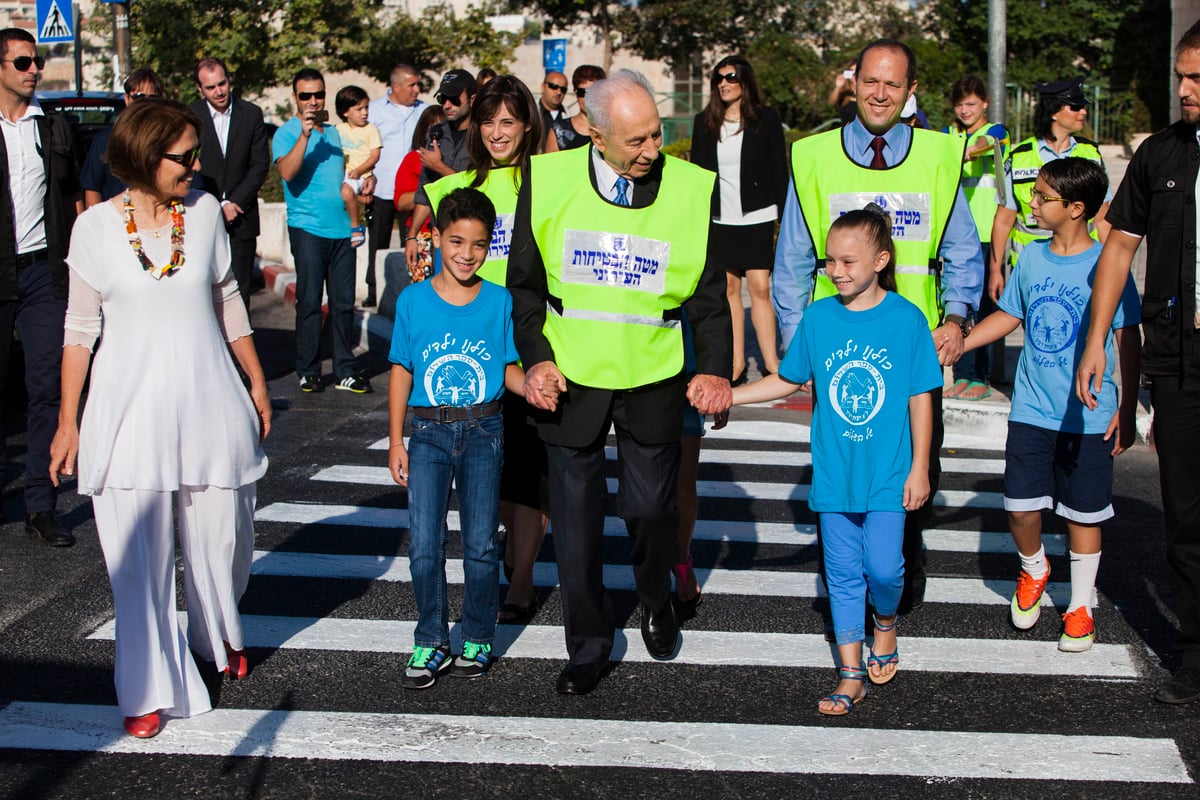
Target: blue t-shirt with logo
314, 196
1052, 294
864, 365
457, 354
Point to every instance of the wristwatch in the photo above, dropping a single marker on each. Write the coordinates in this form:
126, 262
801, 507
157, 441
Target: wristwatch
963, 323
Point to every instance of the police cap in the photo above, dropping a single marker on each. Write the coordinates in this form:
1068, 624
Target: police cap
1070, 91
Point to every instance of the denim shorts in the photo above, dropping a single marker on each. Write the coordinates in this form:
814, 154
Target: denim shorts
1042, 466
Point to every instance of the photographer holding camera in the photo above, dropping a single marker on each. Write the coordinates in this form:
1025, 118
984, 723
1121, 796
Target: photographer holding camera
445, 150
308, 154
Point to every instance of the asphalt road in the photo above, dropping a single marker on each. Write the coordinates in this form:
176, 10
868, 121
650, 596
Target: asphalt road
978, 710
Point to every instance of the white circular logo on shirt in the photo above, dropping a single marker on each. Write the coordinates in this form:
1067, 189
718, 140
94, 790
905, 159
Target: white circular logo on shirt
455, 380
857, 391
1051, 324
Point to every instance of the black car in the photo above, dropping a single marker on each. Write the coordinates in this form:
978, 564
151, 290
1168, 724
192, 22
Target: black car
89, 113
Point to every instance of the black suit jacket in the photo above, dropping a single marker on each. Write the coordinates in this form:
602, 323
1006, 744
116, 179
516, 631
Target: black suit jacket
56, 147
239, 172
764, 161
652, 413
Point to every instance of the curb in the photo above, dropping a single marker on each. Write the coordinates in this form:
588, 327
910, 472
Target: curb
374, 331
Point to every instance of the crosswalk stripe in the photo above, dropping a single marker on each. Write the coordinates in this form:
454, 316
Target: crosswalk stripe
798, 458
706, 530
708, 648
761, 583
727, 490
574, 743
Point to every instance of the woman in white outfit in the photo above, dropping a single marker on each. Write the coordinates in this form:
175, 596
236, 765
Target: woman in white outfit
168, 424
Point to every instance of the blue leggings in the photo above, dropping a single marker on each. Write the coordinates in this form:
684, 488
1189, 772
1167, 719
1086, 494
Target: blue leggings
862, 556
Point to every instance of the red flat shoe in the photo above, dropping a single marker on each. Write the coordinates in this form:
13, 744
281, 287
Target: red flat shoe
143, 727
239, 665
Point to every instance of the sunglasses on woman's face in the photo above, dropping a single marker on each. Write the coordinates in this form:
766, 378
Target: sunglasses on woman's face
731, 77
185, 160
581, 93
23, 63
304, 97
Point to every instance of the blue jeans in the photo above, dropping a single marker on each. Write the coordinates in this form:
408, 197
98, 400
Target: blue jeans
862, 554
471, 455
323, 264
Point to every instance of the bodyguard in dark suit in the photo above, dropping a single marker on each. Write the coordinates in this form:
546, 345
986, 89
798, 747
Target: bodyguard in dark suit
39, 186
236, 158
605, 259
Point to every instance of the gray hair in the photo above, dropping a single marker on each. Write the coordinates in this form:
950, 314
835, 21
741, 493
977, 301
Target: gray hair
602, 94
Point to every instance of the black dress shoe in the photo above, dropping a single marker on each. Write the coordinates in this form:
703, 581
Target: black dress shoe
660, 632
1184, 687
47, 527
580, 678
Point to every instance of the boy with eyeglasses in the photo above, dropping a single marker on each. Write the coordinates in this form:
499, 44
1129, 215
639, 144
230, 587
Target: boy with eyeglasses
1059, 454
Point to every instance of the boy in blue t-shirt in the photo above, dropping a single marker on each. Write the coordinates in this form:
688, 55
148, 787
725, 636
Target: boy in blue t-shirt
452, 355
1058, 449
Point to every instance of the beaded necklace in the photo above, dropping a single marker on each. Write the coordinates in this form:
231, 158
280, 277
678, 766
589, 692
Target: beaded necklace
135, 240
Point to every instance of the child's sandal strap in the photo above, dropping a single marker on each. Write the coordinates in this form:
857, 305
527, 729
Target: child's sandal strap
879, 626
858, 673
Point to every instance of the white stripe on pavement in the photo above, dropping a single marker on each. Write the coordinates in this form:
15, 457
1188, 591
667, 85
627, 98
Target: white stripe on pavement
798, 458
708, 648
729, 490
706, 530
590, 743
761, 583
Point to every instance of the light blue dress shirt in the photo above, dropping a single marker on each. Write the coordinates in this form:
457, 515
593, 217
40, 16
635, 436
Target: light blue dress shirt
795, 257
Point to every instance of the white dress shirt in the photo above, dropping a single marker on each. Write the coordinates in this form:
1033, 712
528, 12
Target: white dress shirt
26, 179
221, 123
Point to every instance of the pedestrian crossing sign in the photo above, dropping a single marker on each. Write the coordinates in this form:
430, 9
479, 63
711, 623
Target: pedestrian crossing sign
54, 22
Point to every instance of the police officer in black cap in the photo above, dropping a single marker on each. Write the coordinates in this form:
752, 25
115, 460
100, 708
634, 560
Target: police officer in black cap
445, 150
1057, 120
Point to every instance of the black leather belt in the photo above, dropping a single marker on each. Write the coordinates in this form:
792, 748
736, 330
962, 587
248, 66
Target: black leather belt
456, 413
29, 259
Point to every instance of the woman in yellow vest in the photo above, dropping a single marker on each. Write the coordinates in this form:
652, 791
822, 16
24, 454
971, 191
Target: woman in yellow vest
986, 145
505, 130
1059, 116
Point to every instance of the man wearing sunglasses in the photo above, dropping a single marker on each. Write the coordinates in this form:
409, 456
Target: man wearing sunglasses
554, 89
237, 157
39, 186
939, 261
1058, 118
95, 178
445, 153
308, 154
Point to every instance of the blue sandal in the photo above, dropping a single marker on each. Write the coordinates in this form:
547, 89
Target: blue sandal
843, 703
886, 659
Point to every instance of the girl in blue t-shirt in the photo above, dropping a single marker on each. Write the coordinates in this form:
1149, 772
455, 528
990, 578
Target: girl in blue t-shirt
871, 364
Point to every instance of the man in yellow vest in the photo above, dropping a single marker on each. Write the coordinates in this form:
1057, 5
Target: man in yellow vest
609, 251
914, 174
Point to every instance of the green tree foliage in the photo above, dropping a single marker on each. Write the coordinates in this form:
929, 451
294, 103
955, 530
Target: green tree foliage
1110, 42
265, 42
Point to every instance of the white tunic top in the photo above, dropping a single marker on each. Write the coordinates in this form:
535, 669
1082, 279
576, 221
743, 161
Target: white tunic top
166, 406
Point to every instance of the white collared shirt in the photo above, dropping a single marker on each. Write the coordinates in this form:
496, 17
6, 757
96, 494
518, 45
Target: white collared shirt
26, 179
221, 123
606, 178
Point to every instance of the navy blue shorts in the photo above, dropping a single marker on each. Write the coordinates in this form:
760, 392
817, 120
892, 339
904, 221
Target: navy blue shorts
1042, 466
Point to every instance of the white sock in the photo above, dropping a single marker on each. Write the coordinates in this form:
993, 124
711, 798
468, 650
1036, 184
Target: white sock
1084, 567
1035, 564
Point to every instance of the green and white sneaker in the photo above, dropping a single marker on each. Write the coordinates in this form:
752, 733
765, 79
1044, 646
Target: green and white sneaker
425, 665
474, 661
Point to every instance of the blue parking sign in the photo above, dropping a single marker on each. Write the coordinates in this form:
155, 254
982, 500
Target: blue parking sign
554, 55
55, 22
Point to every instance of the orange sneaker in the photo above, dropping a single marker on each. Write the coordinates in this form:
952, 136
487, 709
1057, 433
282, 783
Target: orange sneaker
1079, 631
1026, 605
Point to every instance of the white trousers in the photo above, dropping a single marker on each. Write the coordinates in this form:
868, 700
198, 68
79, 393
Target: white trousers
154, 670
